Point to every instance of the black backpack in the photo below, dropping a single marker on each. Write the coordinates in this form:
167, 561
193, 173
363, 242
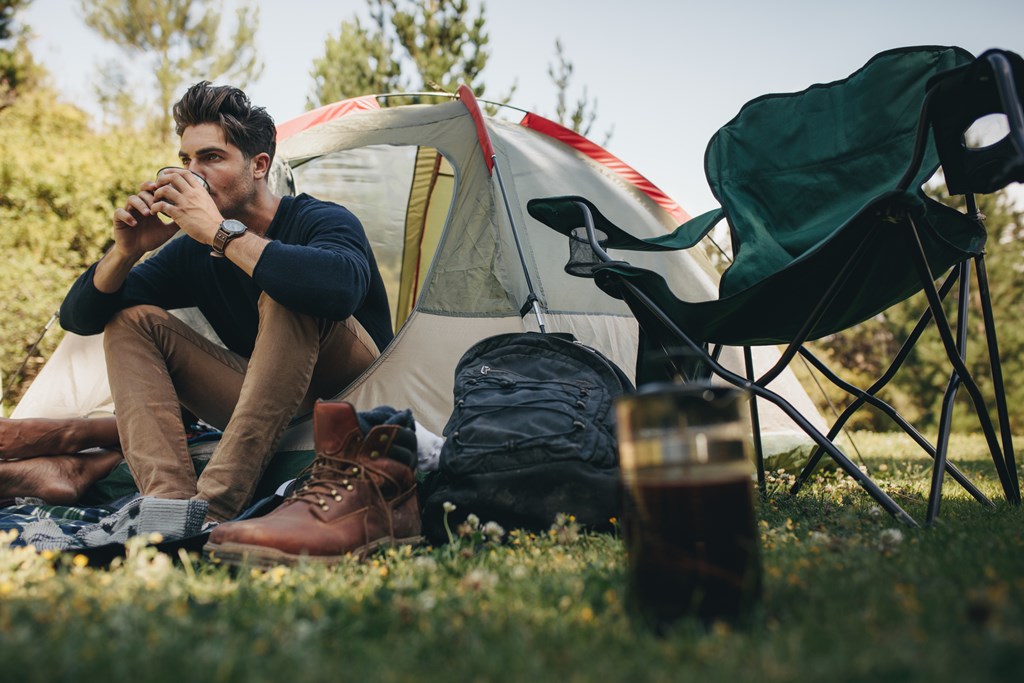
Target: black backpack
532, 434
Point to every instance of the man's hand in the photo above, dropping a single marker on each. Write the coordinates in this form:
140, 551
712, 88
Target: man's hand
137, 228
179, 195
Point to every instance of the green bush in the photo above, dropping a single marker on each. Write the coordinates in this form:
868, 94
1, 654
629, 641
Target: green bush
60, 181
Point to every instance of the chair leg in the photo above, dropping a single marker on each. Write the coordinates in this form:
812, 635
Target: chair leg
646, 310
840, 458
952, 354
946, 415
862, 397
755, 425
868, 396
997, 374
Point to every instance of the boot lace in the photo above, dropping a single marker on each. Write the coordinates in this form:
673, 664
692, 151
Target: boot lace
328, 480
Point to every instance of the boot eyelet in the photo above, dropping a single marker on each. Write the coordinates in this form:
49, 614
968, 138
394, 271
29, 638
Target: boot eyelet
374, 454
337, 498
349, 487
383, 438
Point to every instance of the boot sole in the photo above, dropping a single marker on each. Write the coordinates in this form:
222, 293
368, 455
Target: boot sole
262, 557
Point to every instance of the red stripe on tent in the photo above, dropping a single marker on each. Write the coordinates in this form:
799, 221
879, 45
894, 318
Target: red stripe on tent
325, 113
607, 159
469, 100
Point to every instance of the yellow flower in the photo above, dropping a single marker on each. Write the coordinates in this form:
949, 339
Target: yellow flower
80, 560
278, 573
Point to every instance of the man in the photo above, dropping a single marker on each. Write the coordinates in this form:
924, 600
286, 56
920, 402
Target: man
289, 284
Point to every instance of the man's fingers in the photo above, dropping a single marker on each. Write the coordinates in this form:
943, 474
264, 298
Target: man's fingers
163, 207
166, 192
125, 216
139, 204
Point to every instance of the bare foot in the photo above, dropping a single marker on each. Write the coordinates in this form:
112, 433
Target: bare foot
57, 479
27, 438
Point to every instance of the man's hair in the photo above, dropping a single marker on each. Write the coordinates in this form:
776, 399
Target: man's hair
250, 129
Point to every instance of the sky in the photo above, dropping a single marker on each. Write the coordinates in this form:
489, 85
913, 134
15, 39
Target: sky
665, 74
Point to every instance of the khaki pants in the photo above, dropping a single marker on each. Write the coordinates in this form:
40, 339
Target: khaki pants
156, 364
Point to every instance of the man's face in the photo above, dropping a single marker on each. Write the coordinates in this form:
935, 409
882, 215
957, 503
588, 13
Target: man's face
205, 151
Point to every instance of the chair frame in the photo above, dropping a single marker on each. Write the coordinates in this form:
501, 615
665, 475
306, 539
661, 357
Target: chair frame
954, 343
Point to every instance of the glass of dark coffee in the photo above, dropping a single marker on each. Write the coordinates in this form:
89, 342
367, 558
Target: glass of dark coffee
688, 518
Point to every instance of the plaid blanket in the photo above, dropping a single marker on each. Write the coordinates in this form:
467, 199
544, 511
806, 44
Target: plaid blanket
103, 526
56, 527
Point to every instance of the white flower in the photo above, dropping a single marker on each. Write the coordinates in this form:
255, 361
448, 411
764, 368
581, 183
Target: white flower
494, 531
426, 600
890, 538
480, 580
819, 537
448, 506
424, 563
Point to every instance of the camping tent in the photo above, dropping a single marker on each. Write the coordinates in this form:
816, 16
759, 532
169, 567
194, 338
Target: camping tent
441, 190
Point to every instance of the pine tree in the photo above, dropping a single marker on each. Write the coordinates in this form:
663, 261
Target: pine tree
411, 45
18, 71
180, 39
584, 112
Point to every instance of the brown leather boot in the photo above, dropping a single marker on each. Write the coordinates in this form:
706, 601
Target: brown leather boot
360, 495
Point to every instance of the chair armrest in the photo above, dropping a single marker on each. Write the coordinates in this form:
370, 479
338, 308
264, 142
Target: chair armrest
689, 233
564, 214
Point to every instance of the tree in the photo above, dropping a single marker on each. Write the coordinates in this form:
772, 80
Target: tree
18, 71
412, 44
180, 40
446, 50
358, 62
584, 113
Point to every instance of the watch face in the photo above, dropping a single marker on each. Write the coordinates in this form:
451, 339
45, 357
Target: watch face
233, 227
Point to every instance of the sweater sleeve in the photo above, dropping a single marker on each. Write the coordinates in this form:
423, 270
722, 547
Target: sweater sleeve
86, 310
328, 275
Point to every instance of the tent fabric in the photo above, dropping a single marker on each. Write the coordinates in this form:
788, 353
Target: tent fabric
604, 157
417, 178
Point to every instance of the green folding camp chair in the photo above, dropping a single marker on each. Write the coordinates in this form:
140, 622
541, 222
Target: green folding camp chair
829, 225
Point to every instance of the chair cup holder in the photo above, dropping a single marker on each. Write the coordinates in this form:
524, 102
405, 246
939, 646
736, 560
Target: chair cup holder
582, 257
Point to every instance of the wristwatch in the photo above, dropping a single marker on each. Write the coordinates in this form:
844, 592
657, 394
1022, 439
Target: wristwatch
228, 230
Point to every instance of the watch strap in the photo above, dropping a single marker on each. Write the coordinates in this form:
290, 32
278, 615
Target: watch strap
222, 237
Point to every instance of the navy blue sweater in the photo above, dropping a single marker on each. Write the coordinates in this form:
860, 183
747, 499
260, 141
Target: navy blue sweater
318, 262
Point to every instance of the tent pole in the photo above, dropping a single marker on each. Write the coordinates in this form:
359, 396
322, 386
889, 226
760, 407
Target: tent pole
35, 345
532, 300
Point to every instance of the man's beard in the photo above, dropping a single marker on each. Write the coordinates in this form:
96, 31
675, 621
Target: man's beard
239, 199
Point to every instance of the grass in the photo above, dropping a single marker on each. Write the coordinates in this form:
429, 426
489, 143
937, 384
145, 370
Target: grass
849, 596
